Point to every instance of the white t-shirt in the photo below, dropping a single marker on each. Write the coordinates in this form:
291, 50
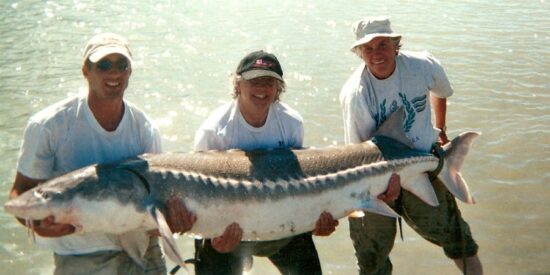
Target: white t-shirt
66, 136
368, 101
226, 128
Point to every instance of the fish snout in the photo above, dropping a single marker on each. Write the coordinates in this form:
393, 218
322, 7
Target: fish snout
34, 204
15, 207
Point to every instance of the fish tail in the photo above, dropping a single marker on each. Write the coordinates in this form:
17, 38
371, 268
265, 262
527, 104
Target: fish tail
455, 153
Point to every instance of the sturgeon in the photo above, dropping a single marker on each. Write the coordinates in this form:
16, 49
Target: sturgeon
271, 194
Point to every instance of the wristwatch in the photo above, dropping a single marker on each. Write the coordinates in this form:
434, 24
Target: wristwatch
444, 129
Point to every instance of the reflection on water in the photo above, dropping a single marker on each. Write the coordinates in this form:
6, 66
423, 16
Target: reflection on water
495, 54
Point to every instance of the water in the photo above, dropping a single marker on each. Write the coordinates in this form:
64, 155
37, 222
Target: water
495, 53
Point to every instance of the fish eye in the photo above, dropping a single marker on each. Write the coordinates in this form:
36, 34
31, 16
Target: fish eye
42, 194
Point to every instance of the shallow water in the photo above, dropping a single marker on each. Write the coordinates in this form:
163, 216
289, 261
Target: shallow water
496, 55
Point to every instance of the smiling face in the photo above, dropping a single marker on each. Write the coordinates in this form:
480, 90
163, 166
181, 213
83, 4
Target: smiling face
255, 97
379, 55
108, 78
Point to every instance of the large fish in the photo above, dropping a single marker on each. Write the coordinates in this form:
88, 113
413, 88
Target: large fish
271, 194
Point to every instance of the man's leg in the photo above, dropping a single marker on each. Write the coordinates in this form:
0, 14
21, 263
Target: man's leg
472, 264
443, 225
373, 237
299, 256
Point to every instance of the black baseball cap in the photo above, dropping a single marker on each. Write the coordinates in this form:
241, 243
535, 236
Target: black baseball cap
258, 64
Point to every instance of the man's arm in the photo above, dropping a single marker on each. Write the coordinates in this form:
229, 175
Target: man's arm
22, 184
46, 227
440, 112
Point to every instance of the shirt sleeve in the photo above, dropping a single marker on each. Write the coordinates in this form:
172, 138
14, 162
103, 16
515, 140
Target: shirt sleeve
151, 141
155, 146
298, 137
37, 156
206, 139
200, 143
357, 120
441, 86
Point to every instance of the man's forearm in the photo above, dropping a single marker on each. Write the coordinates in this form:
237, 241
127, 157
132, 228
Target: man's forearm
440, 111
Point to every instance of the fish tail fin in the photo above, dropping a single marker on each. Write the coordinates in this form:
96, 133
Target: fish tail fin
168, 241
455, 153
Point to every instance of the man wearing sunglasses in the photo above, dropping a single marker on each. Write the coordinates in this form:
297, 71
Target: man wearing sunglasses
99, 127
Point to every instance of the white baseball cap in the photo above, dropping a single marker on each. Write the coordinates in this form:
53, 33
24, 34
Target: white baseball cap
104, 44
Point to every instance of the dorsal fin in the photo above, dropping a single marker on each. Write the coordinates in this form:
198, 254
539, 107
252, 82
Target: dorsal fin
393, 128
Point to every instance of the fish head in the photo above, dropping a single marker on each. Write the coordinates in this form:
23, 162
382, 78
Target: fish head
90, 198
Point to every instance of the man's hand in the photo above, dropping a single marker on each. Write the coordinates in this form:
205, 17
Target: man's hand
325, 225
443, 139
48, 228
394, 188
229, 240
179, 219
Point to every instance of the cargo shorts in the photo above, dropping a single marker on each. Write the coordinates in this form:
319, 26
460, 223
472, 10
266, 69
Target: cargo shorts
111, 262
373, 235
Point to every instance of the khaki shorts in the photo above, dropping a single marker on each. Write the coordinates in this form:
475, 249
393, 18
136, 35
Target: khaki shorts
111, 262
373, 235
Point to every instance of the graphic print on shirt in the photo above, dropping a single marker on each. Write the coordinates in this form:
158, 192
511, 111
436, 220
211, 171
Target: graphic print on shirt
416, 105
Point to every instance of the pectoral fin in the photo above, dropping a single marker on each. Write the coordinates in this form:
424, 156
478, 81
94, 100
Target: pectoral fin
135, 244
168, 241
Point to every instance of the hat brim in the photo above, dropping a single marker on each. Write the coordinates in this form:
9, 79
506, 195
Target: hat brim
104, 51
367, 38
248, 75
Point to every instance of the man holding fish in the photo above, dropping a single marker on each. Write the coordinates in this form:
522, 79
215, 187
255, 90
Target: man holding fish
387, 80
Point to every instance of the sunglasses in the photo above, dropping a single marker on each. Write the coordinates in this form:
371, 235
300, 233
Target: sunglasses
105, 65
